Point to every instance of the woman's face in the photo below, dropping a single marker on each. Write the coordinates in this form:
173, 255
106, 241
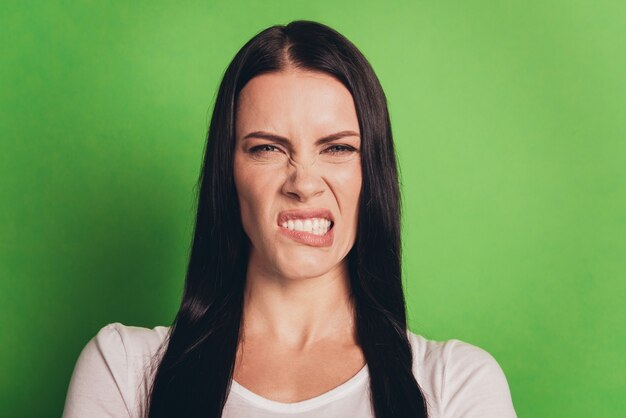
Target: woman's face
297, 170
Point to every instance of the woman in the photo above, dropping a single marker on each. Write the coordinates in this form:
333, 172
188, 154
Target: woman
293, 302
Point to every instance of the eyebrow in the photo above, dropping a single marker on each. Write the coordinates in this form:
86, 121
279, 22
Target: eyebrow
285, 141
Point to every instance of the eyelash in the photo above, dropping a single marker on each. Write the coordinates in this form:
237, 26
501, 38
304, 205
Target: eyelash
345, 148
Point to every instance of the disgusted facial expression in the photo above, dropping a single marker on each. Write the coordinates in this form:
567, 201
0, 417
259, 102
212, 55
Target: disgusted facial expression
297, 171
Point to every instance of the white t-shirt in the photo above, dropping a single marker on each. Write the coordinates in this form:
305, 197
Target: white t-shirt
458, 380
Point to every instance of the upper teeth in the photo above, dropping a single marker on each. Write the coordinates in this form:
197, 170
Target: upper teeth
317, 226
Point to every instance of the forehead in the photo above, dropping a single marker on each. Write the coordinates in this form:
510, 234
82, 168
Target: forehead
293, 101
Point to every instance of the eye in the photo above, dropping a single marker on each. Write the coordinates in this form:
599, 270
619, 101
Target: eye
340, 149
263, 148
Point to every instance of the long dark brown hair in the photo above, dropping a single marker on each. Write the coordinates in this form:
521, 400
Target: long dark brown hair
195, 372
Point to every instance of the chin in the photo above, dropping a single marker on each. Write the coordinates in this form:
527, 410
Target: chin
298, 268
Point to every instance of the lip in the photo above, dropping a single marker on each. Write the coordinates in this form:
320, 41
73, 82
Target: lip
303, 237
309, 239
294, 214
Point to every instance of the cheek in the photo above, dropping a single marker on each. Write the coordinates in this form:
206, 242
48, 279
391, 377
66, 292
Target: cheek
349, 181
253, 192
245, 193
355, 197
355, 184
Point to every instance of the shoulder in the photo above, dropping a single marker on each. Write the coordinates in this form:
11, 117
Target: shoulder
460, 379
112, 370
125, 347
135, 340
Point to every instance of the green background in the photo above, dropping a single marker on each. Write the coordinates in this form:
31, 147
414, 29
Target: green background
510, 128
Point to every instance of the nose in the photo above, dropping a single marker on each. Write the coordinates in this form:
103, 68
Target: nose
303, 182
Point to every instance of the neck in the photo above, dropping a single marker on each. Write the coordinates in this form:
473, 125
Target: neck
298, 312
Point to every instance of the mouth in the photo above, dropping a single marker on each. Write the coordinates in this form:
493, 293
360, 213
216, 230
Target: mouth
313, 227
314, 221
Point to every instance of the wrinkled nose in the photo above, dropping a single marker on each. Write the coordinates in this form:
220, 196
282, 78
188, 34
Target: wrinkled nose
303, 182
